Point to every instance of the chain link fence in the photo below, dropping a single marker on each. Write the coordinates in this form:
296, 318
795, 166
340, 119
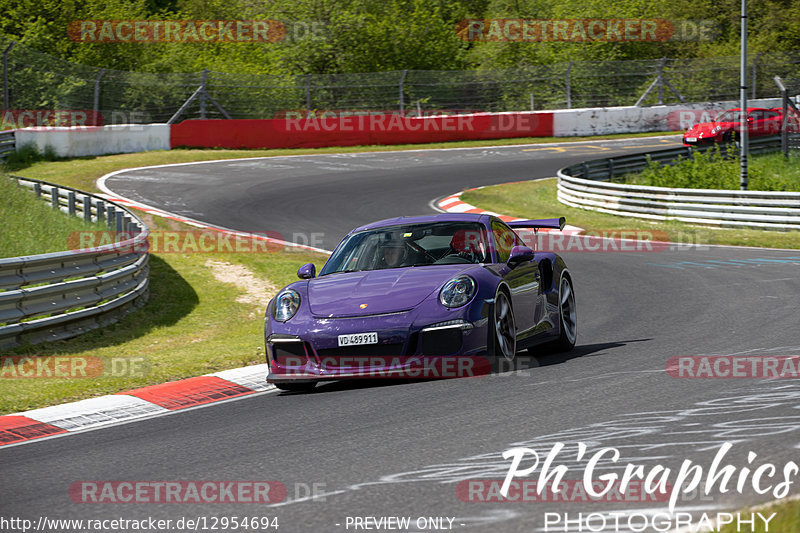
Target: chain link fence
33, 80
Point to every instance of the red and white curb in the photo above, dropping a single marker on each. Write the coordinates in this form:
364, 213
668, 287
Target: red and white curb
136, 404
454, 204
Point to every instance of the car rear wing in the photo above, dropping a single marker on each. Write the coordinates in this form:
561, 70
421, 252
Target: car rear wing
549, 223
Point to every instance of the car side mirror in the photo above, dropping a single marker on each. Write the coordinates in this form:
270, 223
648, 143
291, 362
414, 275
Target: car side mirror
750, 120
520, 254
307, 271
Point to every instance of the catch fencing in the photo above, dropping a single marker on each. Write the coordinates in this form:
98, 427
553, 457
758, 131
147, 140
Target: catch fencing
589, 185
35, 80
59, 295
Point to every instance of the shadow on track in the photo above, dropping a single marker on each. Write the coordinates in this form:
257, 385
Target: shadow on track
541, 356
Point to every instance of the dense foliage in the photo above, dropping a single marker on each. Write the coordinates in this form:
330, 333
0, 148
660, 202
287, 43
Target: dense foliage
381, 35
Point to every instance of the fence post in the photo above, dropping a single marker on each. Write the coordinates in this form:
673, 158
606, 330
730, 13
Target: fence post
531, 101
308, 95
96, 107
569, 86
54, 197
661, 81
203, 94
755, 71
6, 99
785, 121
71, 202
402, 95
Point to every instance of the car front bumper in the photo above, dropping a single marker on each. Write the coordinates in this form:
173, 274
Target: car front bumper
410, 345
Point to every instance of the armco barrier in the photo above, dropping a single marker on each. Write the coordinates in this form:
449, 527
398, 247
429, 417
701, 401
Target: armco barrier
59, 295
7, 143
586, 186
358, 130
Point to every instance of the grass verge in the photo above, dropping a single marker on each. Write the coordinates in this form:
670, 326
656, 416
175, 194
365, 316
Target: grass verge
202, 315
537, 199
766, 172
27, 223
787, 518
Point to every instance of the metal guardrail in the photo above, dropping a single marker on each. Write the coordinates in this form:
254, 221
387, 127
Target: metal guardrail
7, 143
587, 186
59, 295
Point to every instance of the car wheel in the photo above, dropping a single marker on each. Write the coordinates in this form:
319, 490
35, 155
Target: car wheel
296, 387
505, 329
567, 315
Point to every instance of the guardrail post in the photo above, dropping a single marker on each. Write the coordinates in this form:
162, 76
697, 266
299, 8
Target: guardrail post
110, 217
118, 224
54, 197
37, 188
100, 207
87, 208
586, 171
611, 169
71, 203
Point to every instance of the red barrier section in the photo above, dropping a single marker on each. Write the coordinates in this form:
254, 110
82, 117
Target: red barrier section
357, 130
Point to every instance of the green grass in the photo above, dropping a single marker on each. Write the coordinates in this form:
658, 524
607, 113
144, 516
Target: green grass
786, 520
191, 325
769, 172
30, 226
82, 172
537, 199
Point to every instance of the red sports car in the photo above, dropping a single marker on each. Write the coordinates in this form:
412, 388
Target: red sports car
726, 126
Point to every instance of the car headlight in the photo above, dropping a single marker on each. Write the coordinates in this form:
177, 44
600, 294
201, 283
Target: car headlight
457, 292
286, 304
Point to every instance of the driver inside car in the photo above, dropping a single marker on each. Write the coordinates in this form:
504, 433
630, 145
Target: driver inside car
394, 252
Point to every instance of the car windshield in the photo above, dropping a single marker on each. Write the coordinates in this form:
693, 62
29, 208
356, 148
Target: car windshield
435, 243
729, 116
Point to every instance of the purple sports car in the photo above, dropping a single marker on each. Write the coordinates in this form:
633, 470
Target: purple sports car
420, 297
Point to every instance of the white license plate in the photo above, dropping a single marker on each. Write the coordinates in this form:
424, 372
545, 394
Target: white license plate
355, 339
691, 139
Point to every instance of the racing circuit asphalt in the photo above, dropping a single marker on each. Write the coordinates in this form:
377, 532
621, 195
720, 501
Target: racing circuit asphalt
399, 448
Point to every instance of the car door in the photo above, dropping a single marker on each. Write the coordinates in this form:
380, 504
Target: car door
757, 123
523, 280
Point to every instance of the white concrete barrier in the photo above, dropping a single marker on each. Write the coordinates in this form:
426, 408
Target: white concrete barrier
608, 120
96, 140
